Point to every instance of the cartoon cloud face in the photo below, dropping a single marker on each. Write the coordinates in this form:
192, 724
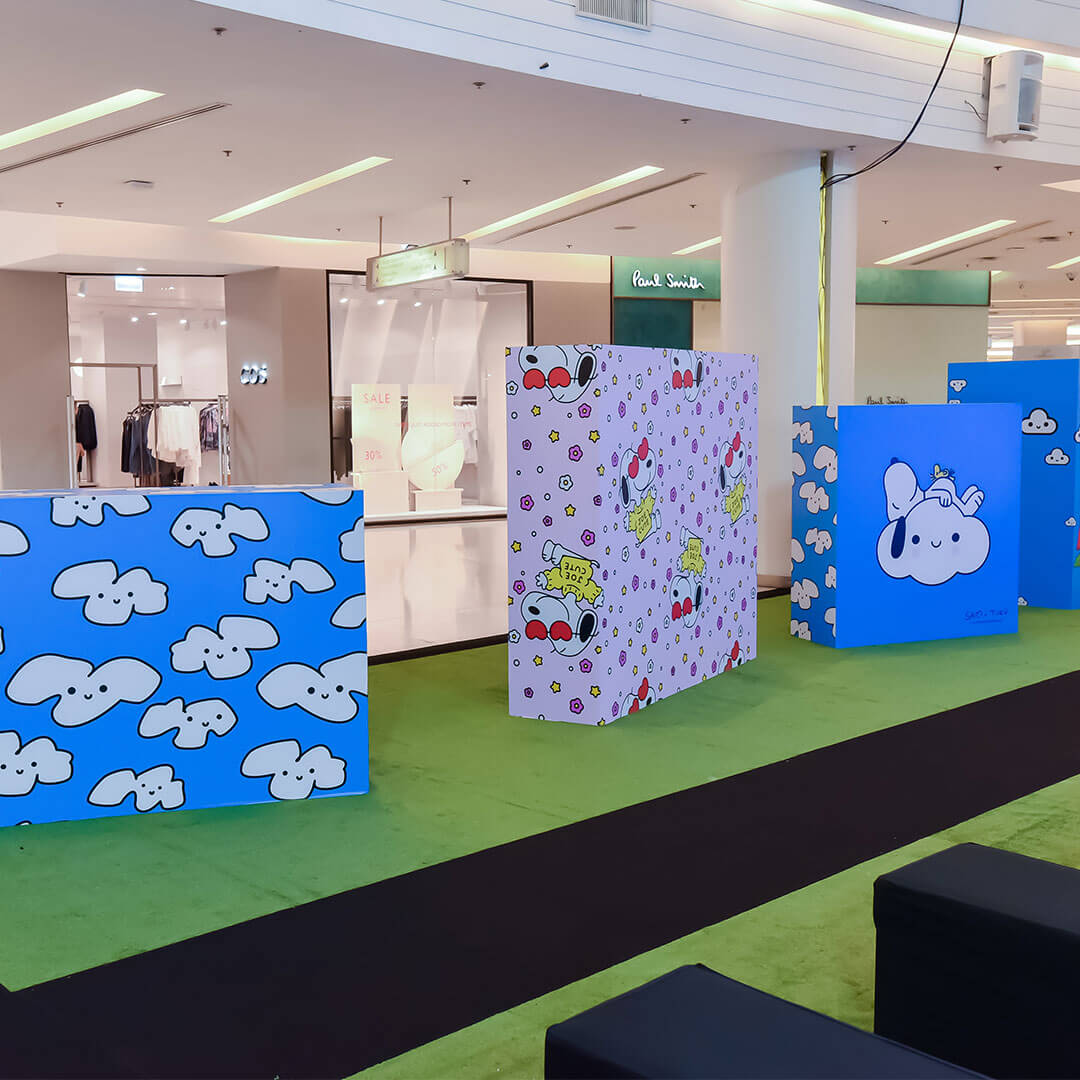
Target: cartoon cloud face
90, 509
85, 692
153, 787
933, 544
326, 693
111, 597
294, 775
213, 530
566, 377
12, 540
193, 724
1038, 422
22, 767
687, 371
272, 580
225, 654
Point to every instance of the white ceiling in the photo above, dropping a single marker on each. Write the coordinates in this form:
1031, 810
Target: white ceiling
303, 102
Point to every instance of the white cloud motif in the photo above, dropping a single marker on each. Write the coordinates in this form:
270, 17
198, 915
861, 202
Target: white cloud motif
800, 629
111, 597
804, 432
825, 459
1070, 521
90, 509
1021, 601
797, 553
830, 577
273, 580
352, 543
830, 619
956, 385
351, 613
798, 466
803, 592
1057, 456
23, 767
817, 498
12, 540
326, 693
214, 530
333, 495
1076, 437
819, 539
193, 724
294, 775
85, 692
1038, 422
153, 787
225, 654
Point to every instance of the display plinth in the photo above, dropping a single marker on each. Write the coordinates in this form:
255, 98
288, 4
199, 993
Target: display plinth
384, 492
1049, 395
632, 525
428, 502
905, 522
180, 648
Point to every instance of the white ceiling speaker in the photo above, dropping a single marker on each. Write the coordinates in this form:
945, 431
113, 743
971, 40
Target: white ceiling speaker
1012, 88
626, 12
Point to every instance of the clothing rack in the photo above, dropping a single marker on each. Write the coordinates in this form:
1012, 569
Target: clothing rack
222, 402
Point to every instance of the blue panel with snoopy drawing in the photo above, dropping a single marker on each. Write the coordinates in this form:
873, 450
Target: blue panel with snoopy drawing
905, 522
180, 648
1049, 395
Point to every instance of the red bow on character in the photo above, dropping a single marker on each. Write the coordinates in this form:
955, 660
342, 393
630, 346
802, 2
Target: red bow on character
642, 694
735, 651
642, 453
737, 441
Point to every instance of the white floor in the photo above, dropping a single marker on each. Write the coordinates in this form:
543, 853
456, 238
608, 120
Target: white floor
435, 583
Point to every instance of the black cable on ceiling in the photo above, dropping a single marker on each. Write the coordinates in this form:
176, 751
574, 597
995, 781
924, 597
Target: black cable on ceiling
839, 178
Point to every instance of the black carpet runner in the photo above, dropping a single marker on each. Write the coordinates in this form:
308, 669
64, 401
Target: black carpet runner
326, 989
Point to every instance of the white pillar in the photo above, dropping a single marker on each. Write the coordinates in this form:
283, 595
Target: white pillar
770, 268
841, 232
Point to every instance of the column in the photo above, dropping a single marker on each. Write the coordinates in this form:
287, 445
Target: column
841, 233
770, 267
280, 429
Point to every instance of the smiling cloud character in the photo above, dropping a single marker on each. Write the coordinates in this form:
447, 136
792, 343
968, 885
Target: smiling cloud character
326, 693
225, 654
294, 775
352, 543
90, 509
800, 629
111, 597
825, 459
331, 496
830, 577
194, 723
273, 580
797, 553
804, 432
214, 530
85, 692
803, 592
1057, 456
1038, 422
817, 498
153, 787
798, 466
12, 540
819, 539
22, 767
956, 385
351, 613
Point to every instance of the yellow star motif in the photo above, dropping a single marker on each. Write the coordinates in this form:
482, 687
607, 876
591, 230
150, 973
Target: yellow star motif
635, 669
509, 601
644, 650
536, 410
515, 546
624, 590
594, 436
598, 650
643, 408
555, 687
599, 470
614, 380
635, 422
594, 690
554, 436
570, 510
596, 393
538, 660
684, 658
685, 431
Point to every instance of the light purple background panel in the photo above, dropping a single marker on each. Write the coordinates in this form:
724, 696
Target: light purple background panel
632, 525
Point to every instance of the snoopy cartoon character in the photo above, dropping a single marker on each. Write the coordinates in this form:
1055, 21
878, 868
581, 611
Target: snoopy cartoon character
567, 620
687, 371
637, 480
638, 699
566, 377
732, 486
931, 535
686, 598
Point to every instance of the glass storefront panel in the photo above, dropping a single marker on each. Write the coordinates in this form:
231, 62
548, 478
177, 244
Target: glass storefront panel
419, 391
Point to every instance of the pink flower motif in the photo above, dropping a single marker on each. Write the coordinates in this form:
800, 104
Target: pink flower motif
547, 521
585, 666
576, 705
527, 444
655, 635
528, 691
622, 658
622, 408
574, 453
519, 587
526, 502
588, 538
655, 398
584, 410
597, 500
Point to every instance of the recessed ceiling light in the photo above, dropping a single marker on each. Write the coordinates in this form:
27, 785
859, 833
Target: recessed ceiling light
151, 314
381, 302
343, 300
698, 247
140, 269
74, 117
945, 241
416, 303
183, 322
565, 200
223, 322
301, 189
134, 318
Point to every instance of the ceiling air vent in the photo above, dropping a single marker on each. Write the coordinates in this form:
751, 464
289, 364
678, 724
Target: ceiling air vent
625, 12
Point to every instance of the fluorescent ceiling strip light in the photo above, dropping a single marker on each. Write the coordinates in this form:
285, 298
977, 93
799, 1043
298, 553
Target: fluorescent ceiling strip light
1065, 185
990, 226
698, 247
1047, 300
565, 200
301, 189
1067, 262
74, 117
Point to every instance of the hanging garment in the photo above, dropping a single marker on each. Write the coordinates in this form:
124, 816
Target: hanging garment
86, 426
178, 439
209, 428
468, 432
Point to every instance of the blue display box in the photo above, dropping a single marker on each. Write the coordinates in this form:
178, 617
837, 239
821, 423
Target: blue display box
180, 648
905, 522
1049, 395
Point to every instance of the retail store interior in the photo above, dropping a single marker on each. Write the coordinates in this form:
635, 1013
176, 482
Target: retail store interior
501, 504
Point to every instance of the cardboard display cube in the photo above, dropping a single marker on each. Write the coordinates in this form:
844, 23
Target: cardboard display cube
905, 522
632, 525
1049, 395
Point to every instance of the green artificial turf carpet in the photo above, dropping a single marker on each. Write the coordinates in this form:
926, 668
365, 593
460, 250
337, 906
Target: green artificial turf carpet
452, 774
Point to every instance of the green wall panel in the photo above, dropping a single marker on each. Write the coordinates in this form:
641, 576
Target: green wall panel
963, 288
673, 278
659, 323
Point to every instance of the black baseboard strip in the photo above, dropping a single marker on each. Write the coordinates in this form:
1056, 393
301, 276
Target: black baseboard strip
328, 988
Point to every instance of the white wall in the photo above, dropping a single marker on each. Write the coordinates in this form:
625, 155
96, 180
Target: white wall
903, 351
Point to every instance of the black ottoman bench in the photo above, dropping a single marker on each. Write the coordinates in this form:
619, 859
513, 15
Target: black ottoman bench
695, 1023
978, 961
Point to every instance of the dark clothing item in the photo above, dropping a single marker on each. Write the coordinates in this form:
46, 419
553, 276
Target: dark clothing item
85, 427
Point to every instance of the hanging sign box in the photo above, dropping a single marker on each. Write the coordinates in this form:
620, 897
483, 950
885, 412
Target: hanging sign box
446, 259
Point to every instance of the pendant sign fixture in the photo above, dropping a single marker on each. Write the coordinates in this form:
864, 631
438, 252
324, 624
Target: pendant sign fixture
446, 259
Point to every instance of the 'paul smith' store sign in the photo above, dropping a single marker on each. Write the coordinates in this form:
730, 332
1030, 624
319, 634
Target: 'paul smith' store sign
666, 279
